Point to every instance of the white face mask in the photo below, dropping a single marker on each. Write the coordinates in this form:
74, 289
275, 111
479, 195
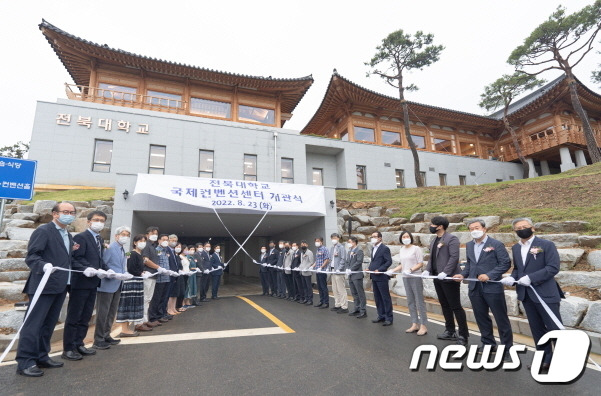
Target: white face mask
293, 248
263, 250
374, 241
217, 250
318, 244
153, 238
349, 245
178, 250
186, 252
477, 234
96, 226
281, 246
173, 244
406, 241
208, 249
141, 245
334, 241
164, 244
124, 240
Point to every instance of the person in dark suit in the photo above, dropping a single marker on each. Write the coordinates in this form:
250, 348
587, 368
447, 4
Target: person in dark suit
175, 266
48, 244
203, 260
381, 260
217, 265
444, 262
487, 259
82, 290
355, 280
297, 278
263, 273
281, 284
272, 259
535, 264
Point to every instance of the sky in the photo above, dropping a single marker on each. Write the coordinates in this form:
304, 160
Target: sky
282, 39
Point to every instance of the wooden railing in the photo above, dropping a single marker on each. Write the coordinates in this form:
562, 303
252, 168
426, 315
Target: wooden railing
127, 99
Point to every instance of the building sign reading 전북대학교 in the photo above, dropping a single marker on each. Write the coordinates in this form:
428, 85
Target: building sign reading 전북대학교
103, 123
17, 177
235, 195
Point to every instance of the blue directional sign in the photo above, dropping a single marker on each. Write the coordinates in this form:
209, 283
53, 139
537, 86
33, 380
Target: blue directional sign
17, 177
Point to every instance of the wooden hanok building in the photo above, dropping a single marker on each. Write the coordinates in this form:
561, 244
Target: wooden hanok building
548, 130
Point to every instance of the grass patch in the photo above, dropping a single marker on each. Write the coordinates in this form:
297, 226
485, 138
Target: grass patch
73, 195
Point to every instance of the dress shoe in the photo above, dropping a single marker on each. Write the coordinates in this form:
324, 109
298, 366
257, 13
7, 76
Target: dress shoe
112, 341
103, 345
354, 313
215, 298
325, 306
412, 329
205, 300
377, 320
301, 301
169, 317
342, 311
85, 351
163, 320
318, 305
387, 323
422, 331
143, 327
309, 303
544, 368
447, 335
493, 350
33, 371
152, 324
134, 334
71, 355
50, 364
361, 316
461, 340
335, 309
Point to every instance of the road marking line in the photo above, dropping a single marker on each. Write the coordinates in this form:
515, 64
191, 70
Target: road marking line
204, 335
269, 316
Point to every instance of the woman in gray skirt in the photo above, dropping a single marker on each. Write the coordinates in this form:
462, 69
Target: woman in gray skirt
131, 304
412, 259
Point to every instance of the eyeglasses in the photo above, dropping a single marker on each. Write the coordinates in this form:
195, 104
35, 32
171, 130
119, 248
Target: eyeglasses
67, 212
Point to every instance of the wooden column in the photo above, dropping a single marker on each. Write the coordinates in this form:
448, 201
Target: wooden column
235, 104
93, 79
186, 97
278, 111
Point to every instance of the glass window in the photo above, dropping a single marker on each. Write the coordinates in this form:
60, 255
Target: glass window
210, 108
443, 179
364, 134
400, 178
317, 176
287, 170
117, 92
156, 161
250, 167
164, 99
256, 114
467, 148
462, 180
419, 141
443, 145
423, 176
361, 178
393, 138
205, 164
103, 152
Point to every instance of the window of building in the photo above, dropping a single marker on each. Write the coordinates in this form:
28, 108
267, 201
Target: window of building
256, 114
443, 145
511, 178
156, 160
117, 92
211, 108
103, 153
393, 138
419, 141
205, 164
462, 180
400, 178
164, 99
364, 134
361, 178
250, 167
317, 177
423, 176
467, 148
443, 179
287, 170
499, 180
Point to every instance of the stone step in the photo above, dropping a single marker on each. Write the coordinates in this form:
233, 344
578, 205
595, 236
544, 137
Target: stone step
11, 276
13, 245
18, 253
13, 264
12, 291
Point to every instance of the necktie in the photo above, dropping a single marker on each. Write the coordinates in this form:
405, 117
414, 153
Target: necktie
99, 244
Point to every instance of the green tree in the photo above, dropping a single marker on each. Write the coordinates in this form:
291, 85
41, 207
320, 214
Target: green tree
400, 52
502, 92
561, 42
17, 150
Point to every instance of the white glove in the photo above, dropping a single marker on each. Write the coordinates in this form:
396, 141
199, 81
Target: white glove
161, 270
348, 271
220, 267
205, 271
89, 272
442, 275
524, 281
264, 265
425, 274
389, 273
145, 275
47, 267
174, 274
407, 272
337, 272
101, 273
508, 281
319, 269
110, 274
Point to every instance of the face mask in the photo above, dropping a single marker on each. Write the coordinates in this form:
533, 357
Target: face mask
96, 226
318, 244
263, 250
406, 241
217, 250
173, 244
281, 246
293, 248
334, 241
374, 241
153, 238
141, 245
66, 219
164, 244
178, 250
124, 240
433, 229
208, 249
186, 252
477, 234
349, 245
304, 248
525, 233
191, 252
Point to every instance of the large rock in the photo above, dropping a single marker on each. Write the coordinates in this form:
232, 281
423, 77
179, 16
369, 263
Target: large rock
409, 227
591, 280
20, 234
13, 264
453, 226
11, 276
429, 290
425, 239
394, 249
358, 211
78, 225
592, 241
389, 229
564, 226
464, 237
391, 238
21, 223
106, 209
429, 216
375, 211
417, 217
355, 225
592, 319
379, 221
79, 204
572, 310
505, 238
569, 257
456, 217
84, 212
396, 221
422, 227
511, 298
490, 221
344, 214
11, 291
364, 220
26, 216
391, 211
360, 237
24, 208
366, 229
44, 209
399, 288
12, 245
594, 259
463, 295
96, 203
561, 240
11, 319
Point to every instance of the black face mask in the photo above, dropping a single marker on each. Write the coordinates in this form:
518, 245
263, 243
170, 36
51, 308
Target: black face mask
433, 229
287, 249
303, 248
525, 233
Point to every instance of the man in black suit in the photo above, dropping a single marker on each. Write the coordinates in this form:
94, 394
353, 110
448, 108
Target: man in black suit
263, 273
49, 244
272, 259
355, 280
82, 290
381, 260
487, 259
203, 260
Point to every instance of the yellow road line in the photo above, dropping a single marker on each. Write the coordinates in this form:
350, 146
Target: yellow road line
269, 316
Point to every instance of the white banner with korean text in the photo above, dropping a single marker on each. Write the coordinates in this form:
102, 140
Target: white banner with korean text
235, 195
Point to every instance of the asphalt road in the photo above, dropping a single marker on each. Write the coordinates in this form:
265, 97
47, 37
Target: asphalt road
327, 354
